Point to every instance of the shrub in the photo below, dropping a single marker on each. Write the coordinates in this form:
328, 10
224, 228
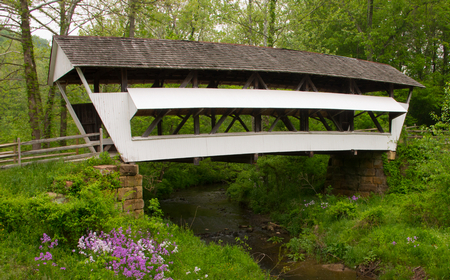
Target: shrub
342, 209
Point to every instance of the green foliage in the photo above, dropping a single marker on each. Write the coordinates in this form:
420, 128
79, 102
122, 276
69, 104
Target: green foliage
342, 209
295, 246
407, 173
25, 216
163, 178
442, 121
103, 159
372, 217
73, 184
154, 208
276, 180
275, 239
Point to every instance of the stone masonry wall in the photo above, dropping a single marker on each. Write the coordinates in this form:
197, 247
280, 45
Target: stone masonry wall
131, 191
362, 173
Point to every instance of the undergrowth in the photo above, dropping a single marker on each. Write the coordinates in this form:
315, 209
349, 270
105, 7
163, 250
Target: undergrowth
393, 233
41, 237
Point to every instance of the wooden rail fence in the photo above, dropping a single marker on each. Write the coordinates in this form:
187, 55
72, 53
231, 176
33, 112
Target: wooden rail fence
20, 158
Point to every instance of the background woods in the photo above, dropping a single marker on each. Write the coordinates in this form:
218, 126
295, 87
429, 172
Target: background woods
412, 36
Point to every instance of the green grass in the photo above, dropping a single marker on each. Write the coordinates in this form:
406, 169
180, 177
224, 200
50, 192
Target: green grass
26, 212
368, 230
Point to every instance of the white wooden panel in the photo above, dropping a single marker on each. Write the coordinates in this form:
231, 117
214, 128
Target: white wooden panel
175, 98
159, 148
132, 109
62, 64
113, 109
396, 127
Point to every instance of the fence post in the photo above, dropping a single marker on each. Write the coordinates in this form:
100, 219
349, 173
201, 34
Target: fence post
14, 151
101, 140
19, 152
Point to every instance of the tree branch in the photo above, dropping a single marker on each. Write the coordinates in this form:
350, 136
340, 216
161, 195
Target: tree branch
44, 4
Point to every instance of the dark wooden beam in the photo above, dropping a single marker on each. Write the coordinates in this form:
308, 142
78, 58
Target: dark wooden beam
249, 81
213, 84
353, 87
188, 79
311, 83
324, 121
242, 123
336, 123
261, 82
196, 116
230, 125
302, 81
96, 82
213, 118
274, 123
180, 125
160, 127
123, 80
197, 125
359, 114
257, 121
221, 120
304, 120
155, 123
287, 122
158, 83
375, 121
391, 90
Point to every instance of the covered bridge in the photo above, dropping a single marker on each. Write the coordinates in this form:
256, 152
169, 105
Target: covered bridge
283, 101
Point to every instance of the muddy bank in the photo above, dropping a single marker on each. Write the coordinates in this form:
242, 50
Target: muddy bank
207, 211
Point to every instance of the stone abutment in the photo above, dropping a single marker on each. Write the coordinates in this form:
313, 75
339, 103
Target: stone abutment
349, 174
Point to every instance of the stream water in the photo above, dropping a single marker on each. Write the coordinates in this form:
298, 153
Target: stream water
209, 213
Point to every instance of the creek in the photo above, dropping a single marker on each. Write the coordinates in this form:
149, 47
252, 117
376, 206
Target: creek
208, 212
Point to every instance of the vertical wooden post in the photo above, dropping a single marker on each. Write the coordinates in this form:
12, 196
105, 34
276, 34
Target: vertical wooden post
14, 151
160, 128
258, 123
96, 84
391, 90
196, 124
304, 120
123, 80
78, 142
195, 80
19, 151
197, 161
101, 140
213, 118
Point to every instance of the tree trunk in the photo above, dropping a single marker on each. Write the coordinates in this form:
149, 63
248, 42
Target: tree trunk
266, 7
272, 8
132, 18
250, 22
445, 61
33, 94
48, 117
369, 30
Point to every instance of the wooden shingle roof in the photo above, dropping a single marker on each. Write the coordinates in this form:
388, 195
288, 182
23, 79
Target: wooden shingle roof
115, 52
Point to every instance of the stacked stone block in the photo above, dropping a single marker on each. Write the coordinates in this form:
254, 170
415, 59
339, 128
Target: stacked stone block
362, 173
131, 191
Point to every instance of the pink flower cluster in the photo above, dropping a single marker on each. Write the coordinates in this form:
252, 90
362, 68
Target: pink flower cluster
132, 257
